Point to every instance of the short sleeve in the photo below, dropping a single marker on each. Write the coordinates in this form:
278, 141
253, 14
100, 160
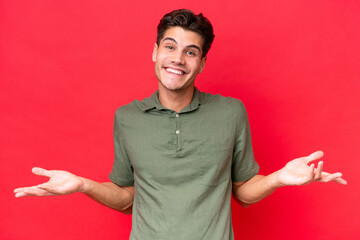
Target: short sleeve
122, 172
244, 165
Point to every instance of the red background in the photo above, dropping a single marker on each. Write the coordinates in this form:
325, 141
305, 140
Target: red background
65, 66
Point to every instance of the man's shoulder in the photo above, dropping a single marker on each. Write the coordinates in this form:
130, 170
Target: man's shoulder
130, 109
222, 102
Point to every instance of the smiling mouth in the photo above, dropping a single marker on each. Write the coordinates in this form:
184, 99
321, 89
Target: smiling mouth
175, 71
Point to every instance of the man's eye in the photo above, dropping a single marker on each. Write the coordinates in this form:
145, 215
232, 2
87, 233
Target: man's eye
190, 53
170, 47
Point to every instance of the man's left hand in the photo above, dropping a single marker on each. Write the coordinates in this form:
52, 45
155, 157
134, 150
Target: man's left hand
299, 172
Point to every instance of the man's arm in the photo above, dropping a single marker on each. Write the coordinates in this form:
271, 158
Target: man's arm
64, 183
295, 172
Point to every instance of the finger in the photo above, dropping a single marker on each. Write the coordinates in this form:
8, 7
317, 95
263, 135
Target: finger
32, 191
20, 194
327, 177
314, 156
312, 167
341, 181
336, 177
311, 172
318, 170
22, 189
25, 193
35, 191
42, 172
16, 190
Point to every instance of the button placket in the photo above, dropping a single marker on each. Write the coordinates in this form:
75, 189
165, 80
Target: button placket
178, 131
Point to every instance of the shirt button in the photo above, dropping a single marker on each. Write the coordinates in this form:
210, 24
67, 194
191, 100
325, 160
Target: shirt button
177, 131
177, 115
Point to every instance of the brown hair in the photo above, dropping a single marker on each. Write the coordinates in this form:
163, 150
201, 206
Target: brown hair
189, 21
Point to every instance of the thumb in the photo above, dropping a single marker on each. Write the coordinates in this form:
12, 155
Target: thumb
42, 172
314, 156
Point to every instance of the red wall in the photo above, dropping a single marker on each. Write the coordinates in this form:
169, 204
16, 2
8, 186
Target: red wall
65, 66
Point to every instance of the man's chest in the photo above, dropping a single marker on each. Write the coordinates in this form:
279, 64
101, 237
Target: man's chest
172, 148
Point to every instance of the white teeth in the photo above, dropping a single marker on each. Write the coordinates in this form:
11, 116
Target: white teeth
174, 71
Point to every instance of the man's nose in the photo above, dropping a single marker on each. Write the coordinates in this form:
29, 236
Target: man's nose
178, 58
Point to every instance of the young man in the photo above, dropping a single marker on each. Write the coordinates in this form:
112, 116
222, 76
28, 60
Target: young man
180, 153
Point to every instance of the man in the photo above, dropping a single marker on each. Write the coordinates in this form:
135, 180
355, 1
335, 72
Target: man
180, 153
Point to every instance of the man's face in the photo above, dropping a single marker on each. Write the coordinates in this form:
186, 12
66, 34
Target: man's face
178, 59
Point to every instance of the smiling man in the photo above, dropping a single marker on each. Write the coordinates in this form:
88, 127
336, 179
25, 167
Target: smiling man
179, 57
181, 153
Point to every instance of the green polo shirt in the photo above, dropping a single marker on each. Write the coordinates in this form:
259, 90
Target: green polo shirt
182, 165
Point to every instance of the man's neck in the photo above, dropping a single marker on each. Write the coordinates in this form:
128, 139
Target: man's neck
176, 100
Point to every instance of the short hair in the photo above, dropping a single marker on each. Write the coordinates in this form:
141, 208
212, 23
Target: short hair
189, 21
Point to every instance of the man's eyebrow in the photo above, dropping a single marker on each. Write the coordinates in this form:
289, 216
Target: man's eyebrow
194, 46
170, 39
189, 46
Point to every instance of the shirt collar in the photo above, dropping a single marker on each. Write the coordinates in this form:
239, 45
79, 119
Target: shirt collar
153, 102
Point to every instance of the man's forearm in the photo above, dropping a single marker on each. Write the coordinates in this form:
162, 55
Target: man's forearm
255, 189
109, 194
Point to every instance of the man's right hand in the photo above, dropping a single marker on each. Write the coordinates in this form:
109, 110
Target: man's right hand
60, 183
109, 194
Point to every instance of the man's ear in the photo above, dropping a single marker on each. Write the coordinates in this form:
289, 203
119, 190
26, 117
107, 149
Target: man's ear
202, 64
156, 47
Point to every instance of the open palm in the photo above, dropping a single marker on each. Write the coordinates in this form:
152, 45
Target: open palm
60, 183
298, 172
